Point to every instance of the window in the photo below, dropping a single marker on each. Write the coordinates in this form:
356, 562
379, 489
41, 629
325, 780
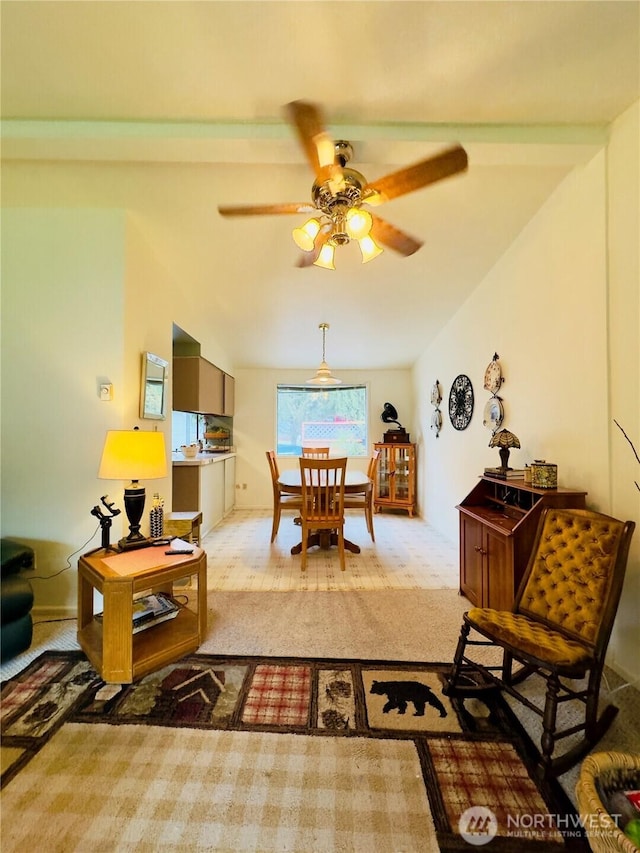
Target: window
333, 417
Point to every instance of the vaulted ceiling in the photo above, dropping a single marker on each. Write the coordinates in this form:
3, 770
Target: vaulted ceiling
182, 103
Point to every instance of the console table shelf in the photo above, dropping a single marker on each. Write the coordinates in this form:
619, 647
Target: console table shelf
498, 522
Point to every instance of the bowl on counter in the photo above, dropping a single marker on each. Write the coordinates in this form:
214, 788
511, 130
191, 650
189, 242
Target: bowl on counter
189, 451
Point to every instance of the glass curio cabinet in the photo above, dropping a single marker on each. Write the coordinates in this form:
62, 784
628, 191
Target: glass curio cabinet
395, 485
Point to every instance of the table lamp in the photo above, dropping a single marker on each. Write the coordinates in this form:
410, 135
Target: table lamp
504, 440
133, 455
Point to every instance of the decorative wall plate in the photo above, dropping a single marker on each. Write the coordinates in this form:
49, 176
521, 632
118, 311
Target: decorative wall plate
436, 394
493, 375
461, 402
436, 421
493, 414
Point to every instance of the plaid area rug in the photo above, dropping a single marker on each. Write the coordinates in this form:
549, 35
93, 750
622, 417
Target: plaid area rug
249, 753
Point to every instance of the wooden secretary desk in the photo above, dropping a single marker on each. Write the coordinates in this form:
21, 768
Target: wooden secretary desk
498, 523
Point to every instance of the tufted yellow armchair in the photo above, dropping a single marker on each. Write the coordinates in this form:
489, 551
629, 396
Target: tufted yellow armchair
559, 627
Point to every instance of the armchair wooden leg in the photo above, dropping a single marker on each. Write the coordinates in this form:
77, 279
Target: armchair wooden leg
507, 667
454, 675
548, 739
591, 712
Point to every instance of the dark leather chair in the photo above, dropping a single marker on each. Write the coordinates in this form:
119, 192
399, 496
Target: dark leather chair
16, 599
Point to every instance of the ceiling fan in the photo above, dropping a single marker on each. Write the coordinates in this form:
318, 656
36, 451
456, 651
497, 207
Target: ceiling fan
339, 193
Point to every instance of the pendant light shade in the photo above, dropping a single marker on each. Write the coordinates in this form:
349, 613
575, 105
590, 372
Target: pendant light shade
323, 373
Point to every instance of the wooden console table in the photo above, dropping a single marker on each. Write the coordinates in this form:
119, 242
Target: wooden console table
119, 655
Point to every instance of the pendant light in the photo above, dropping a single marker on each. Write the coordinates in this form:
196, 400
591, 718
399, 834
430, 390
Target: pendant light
323, 373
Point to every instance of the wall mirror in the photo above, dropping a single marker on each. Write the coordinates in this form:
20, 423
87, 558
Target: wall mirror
153, 392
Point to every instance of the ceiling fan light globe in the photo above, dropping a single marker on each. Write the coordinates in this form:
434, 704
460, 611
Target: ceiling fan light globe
359, 223
304, 237
325, 257
369, 249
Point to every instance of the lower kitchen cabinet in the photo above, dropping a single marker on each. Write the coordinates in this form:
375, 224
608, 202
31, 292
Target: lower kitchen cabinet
229, 484
205, 487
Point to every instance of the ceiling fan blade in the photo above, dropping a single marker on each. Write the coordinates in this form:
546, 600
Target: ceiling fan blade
393, 238
264, 209
443, 165
306, 259
318, 146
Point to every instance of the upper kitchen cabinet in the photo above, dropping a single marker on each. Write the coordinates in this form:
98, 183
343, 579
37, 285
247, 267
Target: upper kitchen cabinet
198, 386
229, 395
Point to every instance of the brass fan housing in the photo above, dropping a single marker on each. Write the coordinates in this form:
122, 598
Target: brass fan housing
336, 204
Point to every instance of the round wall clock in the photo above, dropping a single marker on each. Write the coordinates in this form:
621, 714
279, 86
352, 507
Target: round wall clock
461, 402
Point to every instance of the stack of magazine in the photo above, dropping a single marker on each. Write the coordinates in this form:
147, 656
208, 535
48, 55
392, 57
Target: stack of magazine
149, 610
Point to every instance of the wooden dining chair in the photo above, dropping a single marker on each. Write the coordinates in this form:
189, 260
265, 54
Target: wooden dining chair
322, 501
316, 452
364, 500
281, 498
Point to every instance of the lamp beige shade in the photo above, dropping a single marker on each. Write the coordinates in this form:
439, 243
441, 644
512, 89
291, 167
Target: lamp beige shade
132, 454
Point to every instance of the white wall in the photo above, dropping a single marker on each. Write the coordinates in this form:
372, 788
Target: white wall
85, 293
254, 424
562, 309
543, 309
624, 366
62, 333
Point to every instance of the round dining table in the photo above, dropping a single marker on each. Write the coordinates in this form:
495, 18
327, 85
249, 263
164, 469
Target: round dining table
354, 483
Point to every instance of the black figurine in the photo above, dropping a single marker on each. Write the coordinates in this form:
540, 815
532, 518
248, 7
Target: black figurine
105, 520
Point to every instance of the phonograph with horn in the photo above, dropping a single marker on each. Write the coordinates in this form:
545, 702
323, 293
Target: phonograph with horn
393, 436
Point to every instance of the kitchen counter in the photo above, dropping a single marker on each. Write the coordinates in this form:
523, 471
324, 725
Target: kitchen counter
201, 458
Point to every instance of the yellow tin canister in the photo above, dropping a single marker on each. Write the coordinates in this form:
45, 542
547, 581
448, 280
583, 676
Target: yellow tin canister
544, 475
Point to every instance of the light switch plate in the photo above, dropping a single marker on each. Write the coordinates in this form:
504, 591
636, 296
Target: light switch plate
106, 392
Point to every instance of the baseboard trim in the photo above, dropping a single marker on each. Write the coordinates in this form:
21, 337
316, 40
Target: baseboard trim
44, 614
